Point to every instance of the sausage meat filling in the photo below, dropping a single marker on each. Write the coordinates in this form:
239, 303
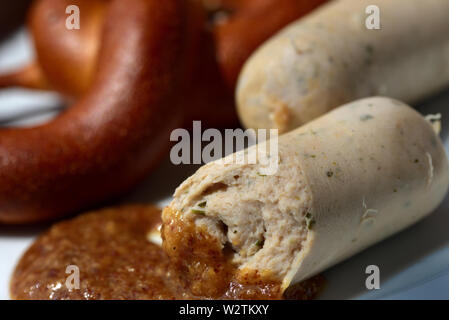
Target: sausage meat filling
219, 231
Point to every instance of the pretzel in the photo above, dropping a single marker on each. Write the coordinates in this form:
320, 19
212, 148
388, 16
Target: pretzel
116, 132
137, 69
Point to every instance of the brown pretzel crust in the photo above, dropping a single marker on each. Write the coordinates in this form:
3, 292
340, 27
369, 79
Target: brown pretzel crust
111, 138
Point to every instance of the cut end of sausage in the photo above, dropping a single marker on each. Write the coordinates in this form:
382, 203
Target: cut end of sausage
260, 221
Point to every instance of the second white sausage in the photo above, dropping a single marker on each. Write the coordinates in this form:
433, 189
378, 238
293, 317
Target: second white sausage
330, 58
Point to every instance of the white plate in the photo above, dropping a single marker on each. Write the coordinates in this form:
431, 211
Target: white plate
413, 264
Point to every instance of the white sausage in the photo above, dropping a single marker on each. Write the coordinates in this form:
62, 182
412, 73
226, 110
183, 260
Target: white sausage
330, 58
345, 181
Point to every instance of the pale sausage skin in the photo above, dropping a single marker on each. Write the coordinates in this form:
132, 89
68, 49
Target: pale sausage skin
330, 58
345, 181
